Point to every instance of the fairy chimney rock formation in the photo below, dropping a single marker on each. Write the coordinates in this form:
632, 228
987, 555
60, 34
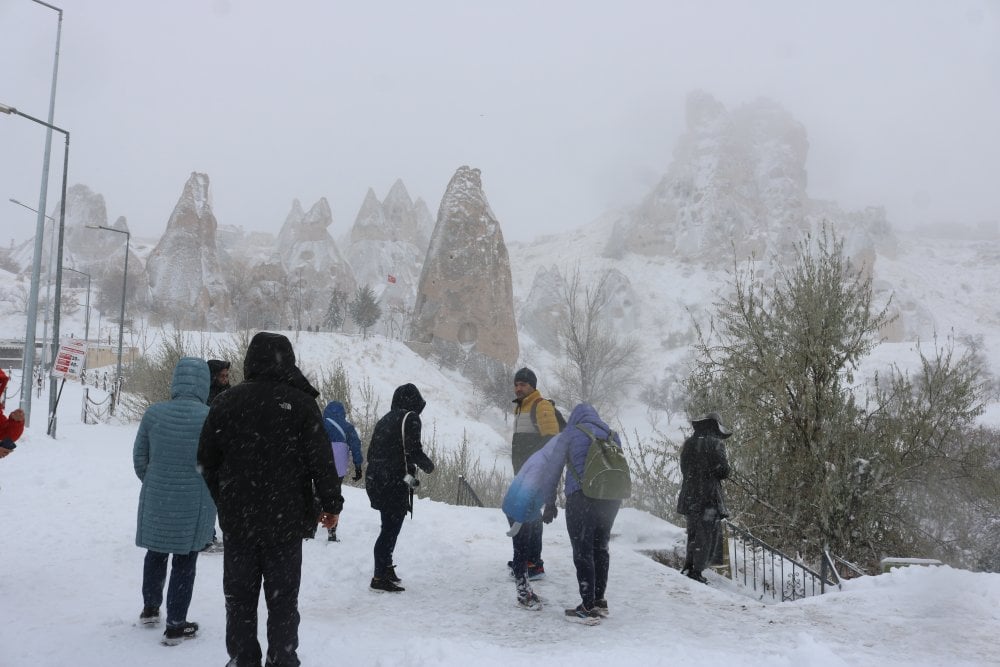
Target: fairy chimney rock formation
389, 238
465, 294
185, 280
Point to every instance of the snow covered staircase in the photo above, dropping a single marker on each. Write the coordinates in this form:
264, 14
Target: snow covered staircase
757, 566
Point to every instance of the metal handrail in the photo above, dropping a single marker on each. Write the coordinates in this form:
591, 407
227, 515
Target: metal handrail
767, 568
465, 494
8, 390
849, 565
827, 566
91, 409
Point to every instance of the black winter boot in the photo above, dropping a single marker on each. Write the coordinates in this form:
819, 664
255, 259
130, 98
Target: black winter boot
383, 584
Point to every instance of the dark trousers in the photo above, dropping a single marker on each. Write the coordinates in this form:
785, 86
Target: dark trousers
154, 575
702, 538
392, 523
589, 523
245, 566
531, 536
534, 541
522, 546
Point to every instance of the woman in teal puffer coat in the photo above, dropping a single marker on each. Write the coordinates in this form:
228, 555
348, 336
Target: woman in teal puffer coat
176, 513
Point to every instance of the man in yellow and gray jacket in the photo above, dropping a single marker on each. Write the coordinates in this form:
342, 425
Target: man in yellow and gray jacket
534, 423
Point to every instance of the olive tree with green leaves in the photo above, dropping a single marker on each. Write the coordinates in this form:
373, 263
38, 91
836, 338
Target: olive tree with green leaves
818, 459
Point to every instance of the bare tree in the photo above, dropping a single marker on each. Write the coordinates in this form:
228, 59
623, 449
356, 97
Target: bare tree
598, 363
7, 262
18, 298
243, 281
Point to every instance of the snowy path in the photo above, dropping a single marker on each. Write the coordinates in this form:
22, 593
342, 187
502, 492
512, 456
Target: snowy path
71, 582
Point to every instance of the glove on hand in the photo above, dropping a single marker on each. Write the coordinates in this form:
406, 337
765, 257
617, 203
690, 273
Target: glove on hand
357, 473
549, 512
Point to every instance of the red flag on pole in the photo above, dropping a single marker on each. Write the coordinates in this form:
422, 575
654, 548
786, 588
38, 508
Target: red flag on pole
392, 279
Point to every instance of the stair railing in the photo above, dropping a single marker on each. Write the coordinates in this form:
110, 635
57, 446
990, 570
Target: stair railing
465, 494
759, 566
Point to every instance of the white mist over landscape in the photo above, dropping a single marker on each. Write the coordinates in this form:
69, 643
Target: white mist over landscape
569, 108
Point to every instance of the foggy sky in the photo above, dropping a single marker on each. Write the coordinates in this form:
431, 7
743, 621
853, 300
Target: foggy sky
568, 108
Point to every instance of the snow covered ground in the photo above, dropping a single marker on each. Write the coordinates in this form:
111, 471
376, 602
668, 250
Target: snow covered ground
70, 588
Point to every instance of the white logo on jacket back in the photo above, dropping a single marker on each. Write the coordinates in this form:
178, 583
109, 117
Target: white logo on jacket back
285, 406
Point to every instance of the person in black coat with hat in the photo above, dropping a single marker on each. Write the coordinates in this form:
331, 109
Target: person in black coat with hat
393, 457
703, 467
219, 370
263, 450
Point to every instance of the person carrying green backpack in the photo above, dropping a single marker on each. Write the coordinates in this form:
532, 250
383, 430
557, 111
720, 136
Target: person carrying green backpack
597, 480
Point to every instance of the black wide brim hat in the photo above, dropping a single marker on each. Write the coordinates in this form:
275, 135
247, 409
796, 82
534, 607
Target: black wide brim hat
715, 418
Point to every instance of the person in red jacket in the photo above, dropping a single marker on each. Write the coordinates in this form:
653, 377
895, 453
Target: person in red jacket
12, 425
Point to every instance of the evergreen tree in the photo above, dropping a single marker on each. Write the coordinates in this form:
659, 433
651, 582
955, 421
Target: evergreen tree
365, 309
336, 310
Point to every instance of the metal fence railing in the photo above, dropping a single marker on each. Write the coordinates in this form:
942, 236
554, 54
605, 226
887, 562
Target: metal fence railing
466, 495
96, 412
764, 569
833, 561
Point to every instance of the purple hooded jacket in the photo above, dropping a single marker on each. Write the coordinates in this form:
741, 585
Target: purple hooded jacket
536, 483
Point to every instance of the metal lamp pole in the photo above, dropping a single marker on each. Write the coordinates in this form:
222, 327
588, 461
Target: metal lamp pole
59, 255
86, 317
121, 318
48, 286
28, 365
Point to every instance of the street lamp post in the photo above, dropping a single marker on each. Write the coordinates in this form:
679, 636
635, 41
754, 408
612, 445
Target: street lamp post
30, 348
48, 287
121, 317
36, 266
86, 317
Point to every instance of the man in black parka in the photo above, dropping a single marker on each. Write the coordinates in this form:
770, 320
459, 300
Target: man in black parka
703, 466
263, 450
393, 456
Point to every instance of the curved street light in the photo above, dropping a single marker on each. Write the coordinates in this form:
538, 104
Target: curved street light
48, 287
121, 317
28, 364
30, 350
86, 317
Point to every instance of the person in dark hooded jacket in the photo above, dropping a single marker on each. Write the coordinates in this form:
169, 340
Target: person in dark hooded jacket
393, 457
219, 369
263, 450
703, 467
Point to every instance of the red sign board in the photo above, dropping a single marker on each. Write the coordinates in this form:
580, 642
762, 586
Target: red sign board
70, 358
